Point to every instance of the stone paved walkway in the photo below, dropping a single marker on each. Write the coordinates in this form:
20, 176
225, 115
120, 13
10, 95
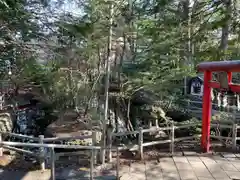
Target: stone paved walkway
192, 167
186, 168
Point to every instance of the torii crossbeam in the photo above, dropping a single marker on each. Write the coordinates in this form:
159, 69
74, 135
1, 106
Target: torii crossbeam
207, 68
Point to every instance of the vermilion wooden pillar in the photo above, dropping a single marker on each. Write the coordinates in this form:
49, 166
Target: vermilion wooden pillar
208, 68
207, 110
229, 77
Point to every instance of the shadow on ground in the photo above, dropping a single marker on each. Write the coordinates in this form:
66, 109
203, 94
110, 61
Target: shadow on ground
19, 169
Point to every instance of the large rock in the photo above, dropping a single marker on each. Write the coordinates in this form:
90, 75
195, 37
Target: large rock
33, 114
70, 124
6, 122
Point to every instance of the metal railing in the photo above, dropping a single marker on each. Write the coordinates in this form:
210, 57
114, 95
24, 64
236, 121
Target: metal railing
141, 144
7, 144
41, 143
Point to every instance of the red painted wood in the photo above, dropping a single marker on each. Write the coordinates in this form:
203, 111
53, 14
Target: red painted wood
206, 115
229, 77
227, 66
232, 87
208, 68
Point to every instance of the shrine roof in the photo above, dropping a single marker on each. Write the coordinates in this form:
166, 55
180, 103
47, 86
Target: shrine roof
227, 66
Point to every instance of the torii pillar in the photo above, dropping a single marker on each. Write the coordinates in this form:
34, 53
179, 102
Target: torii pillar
207, 68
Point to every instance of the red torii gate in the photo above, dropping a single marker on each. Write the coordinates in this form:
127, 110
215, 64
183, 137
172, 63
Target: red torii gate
208, 68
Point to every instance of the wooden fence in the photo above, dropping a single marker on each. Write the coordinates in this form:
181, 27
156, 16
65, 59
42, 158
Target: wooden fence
41, 143
7, 144
139, 147
193, 108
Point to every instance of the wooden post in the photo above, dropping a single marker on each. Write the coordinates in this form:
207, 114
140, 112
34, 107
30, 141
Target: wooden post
149, 123
188, 105
52, 164
1, 149
234, 130
238, 103
206, 114
156, 122
92, 163
229, 74
94, 143
41, 153
110, 147
234, 136
118, 164
219, 100
172, 139
140, 143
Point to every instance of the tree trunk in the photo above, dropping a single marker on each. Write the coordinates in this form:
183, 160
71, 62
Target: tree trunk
106, 93
225, 29
225, 33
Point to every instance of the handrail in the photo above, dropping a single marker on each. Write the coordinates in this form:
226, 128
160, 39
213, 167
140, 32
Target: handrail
21, 150
20, 136
65, 138
200, 102
214, 124
125, 133
7, 143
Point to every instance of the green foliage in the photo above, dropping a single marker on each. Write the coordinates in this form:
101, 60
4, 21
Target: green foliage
194, 130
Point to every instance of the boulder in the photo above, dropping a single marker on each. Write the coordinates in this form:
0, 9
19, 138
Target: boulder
7, 122
70, 124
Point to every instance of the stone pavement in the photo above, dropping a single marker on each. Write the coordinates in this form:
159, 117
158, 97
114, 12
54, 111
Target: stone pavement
192, 167
195, 167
